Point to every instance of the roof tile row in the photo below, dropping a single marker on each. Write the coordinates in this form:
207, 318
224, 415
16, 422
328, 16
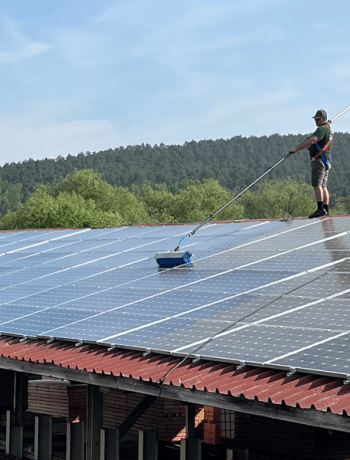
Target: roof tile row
297, 390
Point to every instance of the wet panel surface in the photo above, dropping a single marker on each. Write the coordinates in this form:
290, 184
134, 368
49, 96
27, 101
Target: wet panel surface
265, 292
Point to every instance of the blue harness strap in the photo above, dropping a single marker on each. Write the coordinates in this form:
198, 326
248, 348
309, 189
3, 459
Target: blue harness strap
327, 163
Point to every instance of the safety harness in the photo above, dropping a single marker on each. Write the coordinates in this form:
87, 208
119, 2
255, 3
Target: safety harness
327, 163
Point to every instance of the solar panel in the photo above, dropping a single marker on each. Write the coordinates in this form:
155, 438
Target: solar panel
331, 355
265, 292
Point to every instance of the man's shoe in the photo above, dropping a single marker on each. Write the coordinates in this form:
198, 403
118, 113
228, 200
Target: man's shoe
318, 213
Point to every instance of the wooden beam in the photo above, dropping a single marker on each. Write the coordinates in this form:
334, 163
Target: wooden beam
135, 414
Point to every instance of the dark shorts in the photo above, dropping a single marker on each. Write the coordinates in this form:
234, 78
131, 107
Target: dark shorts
319, 175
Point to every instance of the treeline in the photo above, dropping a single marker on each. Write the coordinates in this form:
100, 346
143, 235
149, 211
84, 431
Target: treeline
234, 163
84, 199
10, 196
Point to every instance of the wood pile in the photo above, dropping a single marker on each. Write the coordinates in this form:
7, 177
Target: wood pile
57, 398
77, 400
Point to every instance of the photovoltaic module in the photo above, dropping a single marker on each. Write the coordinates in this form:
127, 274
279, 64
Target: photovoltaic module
274, 293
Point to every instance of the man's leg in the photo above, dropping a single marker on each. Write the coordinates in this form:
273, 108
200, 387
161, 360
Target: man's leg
320, 197
319, 193
318, 177
325, 198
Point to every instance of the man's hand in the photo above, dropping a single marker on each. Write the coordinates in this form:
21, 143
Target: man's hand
306, 144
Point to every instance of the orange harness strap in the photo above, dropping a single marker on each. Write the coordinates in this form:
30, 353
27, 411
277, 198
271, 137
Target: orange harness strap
325, 147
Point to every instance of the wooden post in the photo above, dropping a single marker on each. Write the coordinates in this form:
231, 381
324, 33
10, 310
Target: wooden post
16, 441
190, 414
75, 447
110, 444
43, 437
20, 387
102, 444
148, 445
14, 418
94, 422
191, 447
8, 431
14, 436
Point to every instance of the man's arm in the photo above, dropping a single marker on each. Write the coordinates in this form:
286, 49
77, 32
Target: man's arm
306, 144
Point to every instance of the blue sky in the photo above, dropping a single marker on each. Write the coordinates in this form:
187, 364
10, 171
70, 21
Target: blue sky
90, 75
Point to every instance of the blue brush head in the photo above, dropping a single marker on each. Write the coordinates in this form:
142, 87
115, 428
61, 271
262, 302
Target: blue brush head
172, 258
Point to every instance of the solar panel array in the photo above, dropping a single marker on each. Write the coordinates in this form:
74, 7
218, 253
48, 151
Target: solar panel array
268, 293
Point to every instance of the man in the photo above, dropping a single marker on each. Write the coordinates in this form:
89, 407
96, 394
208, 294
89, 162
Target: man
318, 145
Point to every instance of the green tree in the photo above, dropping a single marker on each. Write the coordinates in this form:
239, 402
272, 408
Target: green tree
9, 220
42, 210
342, 206
89, 185
198, 201
190, 201
158, 201
234, 162
10, 197
275, 198
131, 209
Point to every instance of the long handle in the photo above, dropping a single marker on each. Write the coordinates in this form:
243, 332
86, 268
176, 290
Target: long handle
339, 114
241, 193
229, 202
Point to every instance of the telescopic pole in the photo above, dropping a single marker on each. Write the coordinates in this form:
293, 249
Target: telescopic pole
247, 188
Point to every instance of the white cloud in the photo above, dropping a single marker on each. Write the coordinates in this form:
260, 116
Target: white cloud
262, 113
24, 52
183, 35
18, 46
49, 140
164, 72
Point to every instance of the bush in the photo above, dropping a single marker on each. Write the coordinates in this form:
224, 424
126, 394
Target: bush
42, 210
88, 184
197, 202
278, 197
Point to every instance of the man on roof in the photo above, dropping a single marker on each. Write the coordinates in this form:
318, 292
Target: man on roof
319, 147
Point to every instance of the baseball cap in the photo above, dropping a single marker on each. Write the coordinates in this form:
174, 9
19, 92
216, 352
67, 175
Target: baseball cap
320, 113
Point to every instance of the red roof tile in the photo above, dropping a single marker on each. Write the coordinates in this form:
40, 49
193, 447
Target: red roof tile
302, 390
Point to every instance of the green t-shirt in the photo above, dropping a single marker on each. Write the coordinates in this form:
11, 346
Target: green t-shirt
323, 133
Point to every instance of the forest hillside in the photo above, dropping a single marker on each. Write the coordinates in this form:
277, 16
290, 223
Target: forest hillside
234, 162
